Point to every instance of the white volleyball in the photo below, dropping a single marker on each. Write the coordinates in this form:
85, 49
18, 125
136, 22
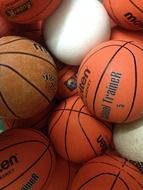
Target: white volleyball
75, 28
128, 140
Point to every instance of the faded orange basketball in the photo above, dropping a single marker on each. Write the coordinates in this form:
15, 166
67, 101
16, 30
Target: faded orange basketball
76, 135
37, 122
111, 85
26, 11
63, 175
67, 83
118, 33
106, 173
126, 13
28, 80
27, 160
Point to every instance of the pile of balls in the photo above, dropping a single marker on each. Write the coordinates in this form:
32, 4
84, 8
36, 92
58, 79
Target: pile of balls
71, 95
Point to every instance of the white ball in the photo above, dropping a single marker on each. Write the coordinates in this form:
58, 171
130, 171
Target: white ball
128, 140
75, 28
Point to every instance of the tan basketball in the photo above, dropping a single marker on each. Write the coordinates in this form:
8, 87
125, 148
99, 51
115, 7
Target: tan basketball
28, 79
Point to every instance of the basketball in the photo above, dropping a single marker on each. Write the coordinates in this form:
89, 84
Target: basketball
118, 33
63, 175
27, 11
76, 135
75, 28
67, 80
28, 80
108, 172
126, 134
111, 85
126, 13
37, 122
27, 160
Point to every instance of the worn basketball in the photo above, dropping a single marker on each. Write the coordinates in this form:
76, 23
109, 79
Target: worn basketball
39, 121
28, 80
111, 85
126, 13
27, 160
108, 172
67, 80
26, 11
76, 135
118, 33
63, 175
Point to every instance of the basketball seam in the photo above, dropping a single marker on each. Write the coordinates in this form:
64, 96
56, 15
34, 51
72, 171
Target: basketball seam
115, 17
8, 107
66, 128
86, 137
136, 6
105, 69
33, 164
53, 126
92, 178
29, 54
26, 80
15, 40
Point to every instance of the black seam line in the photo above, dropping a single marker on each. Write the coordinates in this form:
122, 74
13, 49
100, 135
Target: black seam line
86, 137
15, 40
33, 164
49, 173
38, 132
106, 46
136, 6
24, 142
135, 89
35, 15
92, 178
87, 114
66, 129
25, 79
53, 126
29, 54
76, 111
8, 107
115, 17
99, 82
69, 175
115, 180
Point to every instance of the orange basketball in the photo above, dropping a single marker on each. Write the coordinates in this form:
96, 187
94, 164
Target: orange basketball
76, 135
118, 33
63, 175
67, 83
37, 122
27, 160
110, 81
26, 11
108, 173
126, 13
28, 79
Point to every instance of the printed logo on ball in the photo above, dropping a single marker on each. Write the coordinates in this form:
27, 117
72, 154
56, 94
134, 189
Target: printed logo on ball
71, 83
7, 166
133, 20
14, 11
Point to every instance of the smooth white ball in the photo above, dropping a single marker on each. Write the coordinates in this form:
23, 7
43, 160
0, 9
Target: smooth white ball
75, 28
128, 140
